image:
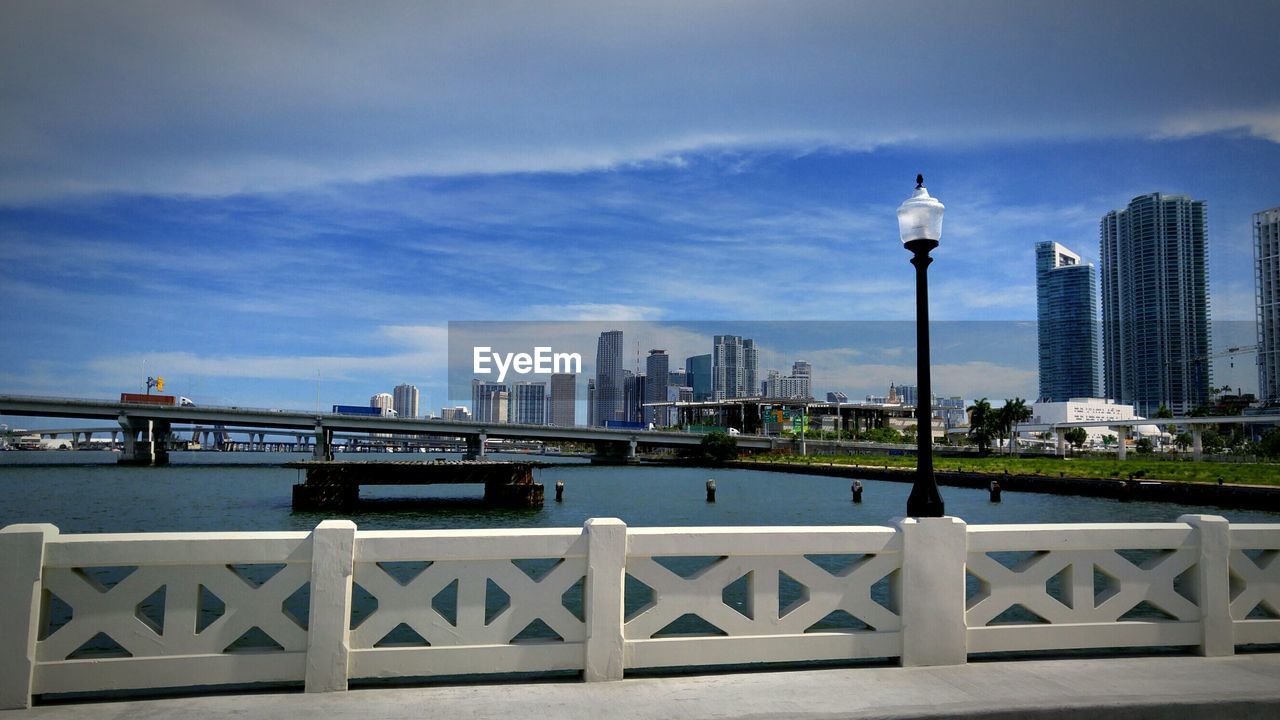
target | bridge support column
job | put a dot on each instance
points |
(1122, 442)
(145, 442)
(475, 446)
(323, 449)
(631, 452)
(1061, 435)
(1197, 442)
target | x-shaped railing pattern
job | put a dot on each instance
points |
(114, 611)
(410, 603)
(1261, 583)
(702, 593)
(1025, 584)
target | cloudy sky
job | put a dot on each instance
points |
(246, 197)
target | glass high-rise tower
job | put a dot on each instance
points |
(1266, 256)
(1155, 303)
(1067, 315)
(608, 387)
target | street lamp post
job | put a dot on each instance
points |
(920, 226)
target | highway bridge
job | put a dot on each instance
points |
(148, 429)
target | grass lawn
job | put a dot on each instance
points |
(1149, 468)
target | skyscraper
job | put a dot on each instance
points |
(489, 401)
(734, 367)
(608, 377)
(1155, 303)
(699, 369)
(1067, 315)
(564, 392)
(528, 403)
(405, 401)
(1266, 256)
(591, 402)
(657, 370)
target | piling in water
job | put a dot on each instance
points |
(711, 490)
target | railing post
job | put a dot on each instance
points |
(931, 591)
(22, 598)
(603, 594)
(328, 626)
(1211, 585)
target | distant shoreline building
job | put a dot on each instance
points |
(405, 401)
(564, 392)
(489, 401)
(1266, 255)
(608, 386)
(734, 367)
(657, 371)
(1155, 303)
(384, 402)
(528, 403)
(1067, 323)
(700, 378)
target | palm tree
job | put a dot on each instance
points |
(980, 424)
(1018, 413)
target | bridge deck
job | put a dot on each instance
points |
(1242, 687)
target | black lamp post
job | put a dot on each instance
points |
(920, 225)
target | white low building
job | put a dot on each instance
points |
(1090, 410)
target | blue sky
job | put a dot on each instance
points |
(245, 197)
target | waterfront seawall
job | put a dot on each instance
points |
(1249, 497)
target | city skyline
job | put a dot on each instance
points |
(259, 221)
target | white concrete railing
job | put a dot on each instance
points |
(180, 609)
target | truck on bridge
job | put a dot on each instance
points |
(144, 399)
(357, 410)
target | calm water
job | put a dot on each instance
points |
(221, 492)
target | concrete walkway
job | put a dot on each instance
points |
(1239, 687)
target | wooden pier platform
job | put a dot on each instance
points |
(335, 484)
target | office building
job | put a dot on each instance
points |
(1067, 315)
(455, 414)
(489, 401)
(591, 402)
(405, 401)
(656, 370)
(564, 394)
(1155, 303)
(634, 391)
(734, 367)
(1266, 257)
(608, 390)
(837, 397)
(906, 394)
(528, 403)
(700, 379)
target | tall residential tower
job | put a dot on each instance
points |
(405, 400)
(1155, 303)
(1067, 314)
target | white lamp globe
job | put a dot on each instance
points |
(920, 216)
